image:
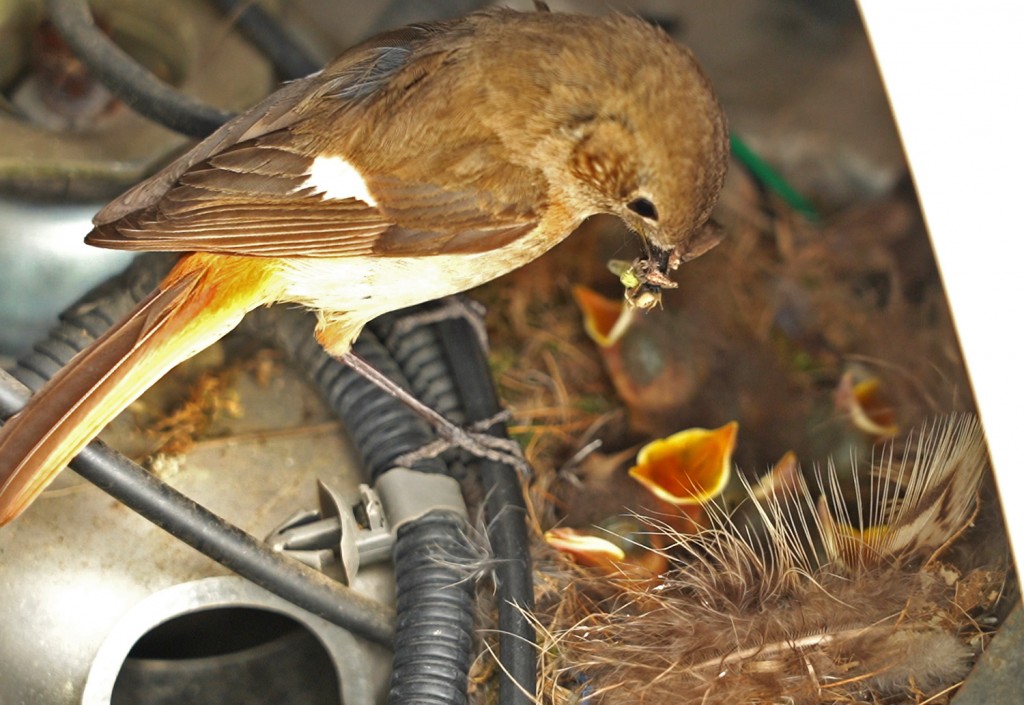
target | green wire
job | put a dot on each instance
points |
(772, 179)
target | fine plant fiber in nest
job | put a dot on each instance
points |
(796, 597)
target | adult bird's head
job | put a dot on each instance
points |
(634, 130)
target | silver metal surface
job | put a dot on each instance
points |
(362, 667)
(82, 578)
(45, 265)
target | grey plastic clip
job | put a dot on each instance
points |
(363, 540)
(364, 532)
(408, 495)
(320, 538)
(307, 537)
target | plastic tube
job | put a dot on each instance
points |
(447, 369)
(433, 556)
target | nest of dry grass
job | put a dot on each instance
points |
(762, 330)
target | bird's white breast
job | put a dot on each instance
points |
(376, 285)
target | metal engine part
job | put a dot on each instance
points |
(92, 592)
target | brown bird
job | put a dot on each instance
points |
(420, 163)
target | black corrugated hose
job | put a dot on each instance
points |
(434, 636)
(447, 369)
(433, 556)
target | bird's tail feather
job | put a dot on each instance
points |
(189, 312)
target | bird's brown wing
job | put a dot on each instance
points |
(249, 199)
(429, 219)
(355, 76)
(246, 189)
(201, 214)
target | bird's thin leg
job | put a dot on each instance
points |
(475, 440)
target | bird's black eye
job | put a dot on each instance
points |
(643, 208)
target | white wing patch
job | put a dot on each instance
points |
(336, 179)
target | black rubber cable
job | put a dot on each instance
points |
(289, 57)
(126, 78)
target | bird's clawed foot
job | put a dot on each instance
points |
(475, 440)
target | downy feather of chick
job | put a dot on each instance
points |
(821, 604)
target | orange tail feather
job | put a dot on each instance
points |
(199, 302)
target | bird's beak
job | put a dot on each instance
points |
(645, 277)
(665, 261)
(656, 277)
(703, 239)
